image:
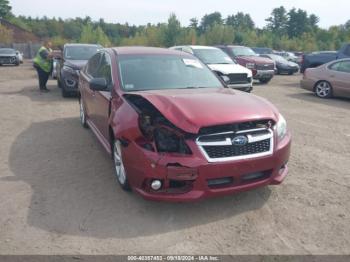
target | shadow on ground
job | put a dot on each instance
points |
(32, 92)
(340, 102)
(74, 191)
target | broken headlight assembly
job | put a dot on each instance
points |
(168, 141)
(158, 132)
(164, 135)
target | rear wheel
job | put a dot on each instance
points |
(265, 80)
(323, 89)
(120, 171)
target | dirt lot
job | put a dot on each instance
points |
(58, 194)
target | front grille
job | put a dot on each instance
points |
(236, 127)
(232, 151)
(265, 67)
(7, 60)
(236, 145)
(238, 79)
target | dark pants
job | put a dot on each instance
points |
(43, 77)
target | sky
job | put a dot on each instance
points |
(141, 12)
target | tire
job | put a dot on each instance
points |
(82, 114)
(290, 73)
(59, 83)
(265, 81)
(64, 92)
(119, 169)
(323, 89)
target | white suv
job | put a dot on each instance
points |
(238, 77)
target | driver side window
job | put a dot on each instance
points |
(105, 70)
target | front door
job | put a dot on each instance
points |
(102, 98)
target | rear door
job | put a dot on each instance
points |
(343, 78)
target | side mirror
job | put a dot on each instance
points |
(98, 84)
(226, 79)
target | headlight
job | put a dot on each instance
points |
(250, 65)
(281, 127)
(167, 141)
(68, 69)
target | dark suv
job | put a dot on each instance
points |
(74, 57)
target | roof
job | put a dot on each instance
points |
(197, 46)
(141, 50)
(81, 44)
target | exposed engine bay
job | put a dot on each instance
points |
(160, 134)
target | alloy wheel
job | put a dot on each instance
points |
(82, 114)
(118, 163)
(323, 89)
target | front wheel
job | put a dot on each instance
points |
(323, 89)
(120, 171)
(82, 114)
(64, 92)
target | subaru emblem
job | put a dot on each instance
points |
(239, 141)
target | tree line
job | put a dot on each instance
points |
(292, 29)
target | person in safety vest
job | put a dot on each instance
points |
(43, 65)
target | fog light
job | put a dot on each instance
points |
(156, 184)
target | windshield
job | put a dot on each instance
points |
(7, 51)
(80, 52)
(243, 51)
(278, 58)
(156, 72)
(212, 56)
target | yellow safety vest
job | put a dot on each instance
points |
(44, 64)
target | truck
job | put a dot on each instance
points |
(263, 69)
(316, 59)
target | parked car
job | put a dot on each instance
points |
(174, 131)
(288, 56)
(283, 66)
(331, 79)
(19, 56)
(316, 59)
(238, 77)
(8, 56)
(263, 68)
(262, 50)
(73, 59)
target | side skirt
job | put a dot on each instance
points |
(105, 143)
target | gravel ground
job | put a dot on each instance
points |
(58, 195)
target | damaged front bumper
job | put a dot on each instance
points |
(190, 178)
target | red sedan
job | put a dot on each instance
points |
(173, 129)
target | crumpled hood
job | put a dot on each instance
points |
(75, 64)
(192, 109)
(254, 59)
(230, 69)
